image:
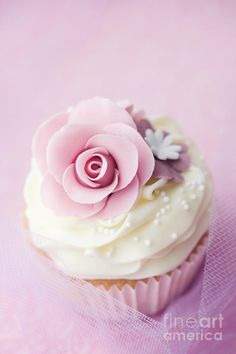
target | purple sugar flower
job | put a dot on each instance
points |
(170, 159)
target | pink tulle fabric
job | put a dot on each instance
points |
(83, 158)
(168, 57)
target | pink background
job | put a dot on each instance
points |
(171, 57)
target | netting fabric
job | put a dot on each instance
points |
(192, 76)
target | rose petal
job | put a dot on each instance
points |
(80, 165)
(164, 170)
(100, 111)
(55, 198)
(81, 194)
(146, 160)
(65, 145)
(123, 151)
(106, 172)
(96, 167)
(42, 137)
(120, 202)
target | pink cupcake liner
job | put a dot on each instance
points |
(149, 297)
(153, 296)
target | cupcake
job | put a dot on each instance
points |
(119, 200)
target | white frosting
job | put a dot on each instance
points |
(153, 238)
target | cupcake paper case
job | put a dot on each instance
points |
(119, 200)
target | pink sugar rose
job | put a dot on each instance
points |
(93, 160)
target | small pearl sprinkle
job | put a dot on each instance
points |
(163, 211)
(163, 194)
(174, 235)
(156, 221)
(167, 206)
(193, 196)
(166, 199)
(128, 224)
(108, 222)
(90, 252)
(184, 204)
(109, 252)
(147, 243)
(201, 187)
(135, 238)
(191, 184)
